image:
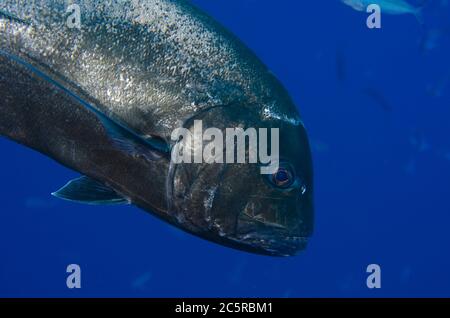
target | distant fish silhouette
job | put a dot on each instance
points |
(419, 142)
(38, 203)
(341, 66)
(378, 98)
(319, 146)
(410, 167)
(439, 88)
(395, 7)
(447, 155)
(433, 38)
(141, 281)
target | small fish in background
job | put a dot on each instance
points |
(39, 203)
(348, 283)
(447, 155)
(439, 88)
(319, 146)
(236, 273)
(287, 294)
(378, 98)
(319, 55)
(432, 39)
(140, 282)
(443, 153)
(406, 274)
(410, 167)
(394, 7)
(341, 66)
(419, 142)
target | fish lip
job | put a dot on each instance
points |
(272, 238)
(283, 246)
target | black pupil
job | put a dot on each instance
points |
(282, 176)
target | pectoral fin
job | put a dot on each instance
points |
(123, 137)
(151, 148)
(89, 191)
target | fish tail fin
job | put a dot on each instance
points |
(419, 16)
(418, 13)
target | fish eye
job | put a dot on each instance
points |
(283, 178)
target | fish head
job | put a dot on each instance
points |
(237, 205)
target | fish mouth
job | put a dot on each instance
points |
(272, 246)
(269, 239)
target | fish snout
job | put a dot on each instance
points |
(275, 226)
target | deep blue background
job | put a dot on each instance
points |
(382, 175)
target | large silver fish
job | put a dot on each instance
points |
(395, 7)
(103, 99)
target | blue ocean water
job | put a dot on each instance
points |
(377, 107)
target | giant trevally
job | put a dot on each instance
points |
(103, 96)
